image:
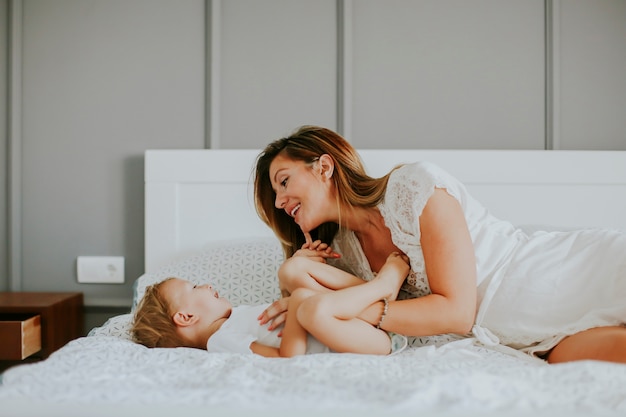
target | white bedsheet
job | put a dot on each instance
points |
(106, 374)
(456, 378)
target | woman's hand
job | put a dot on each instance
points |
(275, 314)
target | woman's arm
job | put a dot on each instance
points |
(451, 270)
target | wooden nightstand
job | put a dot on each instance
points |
(28, 318)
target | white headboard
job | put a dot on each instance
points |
(194, 197)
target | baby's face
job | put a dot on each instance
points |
(200, 300)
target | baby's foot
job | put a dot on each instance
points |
(394, 272)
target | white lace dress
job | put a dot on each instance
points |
(533, 290)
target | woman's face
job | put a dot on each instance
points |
(304, 191)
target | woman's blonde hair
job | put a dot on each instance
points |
(355, 188)
(152, 324)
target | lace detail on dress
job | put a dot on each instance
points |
(408, 191)
(352, 259)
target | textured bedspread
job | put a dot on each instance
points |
(105, 374)
(458, 377)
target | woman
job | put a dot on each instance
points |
(559, 295)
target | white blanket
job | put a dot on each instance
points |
(458, 377)
(106, 374)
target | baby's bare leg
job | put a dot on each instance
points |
(332, 317)
(349, 302)
(393, 273)
(302, 272)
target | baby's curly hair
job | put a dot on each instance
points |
(152, 324)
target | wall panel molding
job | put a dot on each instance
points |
(213, 63)
(15, 146)
(552, 77)
(344, 68)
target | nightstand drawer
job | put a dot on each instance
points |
(20, 335)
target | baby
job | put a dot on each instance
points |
(322, 315)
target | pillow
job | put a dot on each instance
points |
(117, 326)
(244, 271)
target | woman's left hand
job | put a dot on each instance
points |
(275, 314)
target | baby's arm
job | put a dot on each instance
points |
(264, 350)
(294, 337)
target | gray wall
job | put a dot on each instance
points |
(592, 101)
(104, 80)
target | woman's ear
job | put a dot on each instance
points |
(326, 166)
(182, 319)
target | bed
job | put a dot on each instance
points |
(200, 224)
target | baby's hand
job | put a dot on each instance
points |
(317, 255)
(317, 250)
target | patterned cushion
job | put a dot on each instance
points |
(117, 326)
(243, 271)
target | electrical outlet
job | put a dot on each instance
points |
(100, 269)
